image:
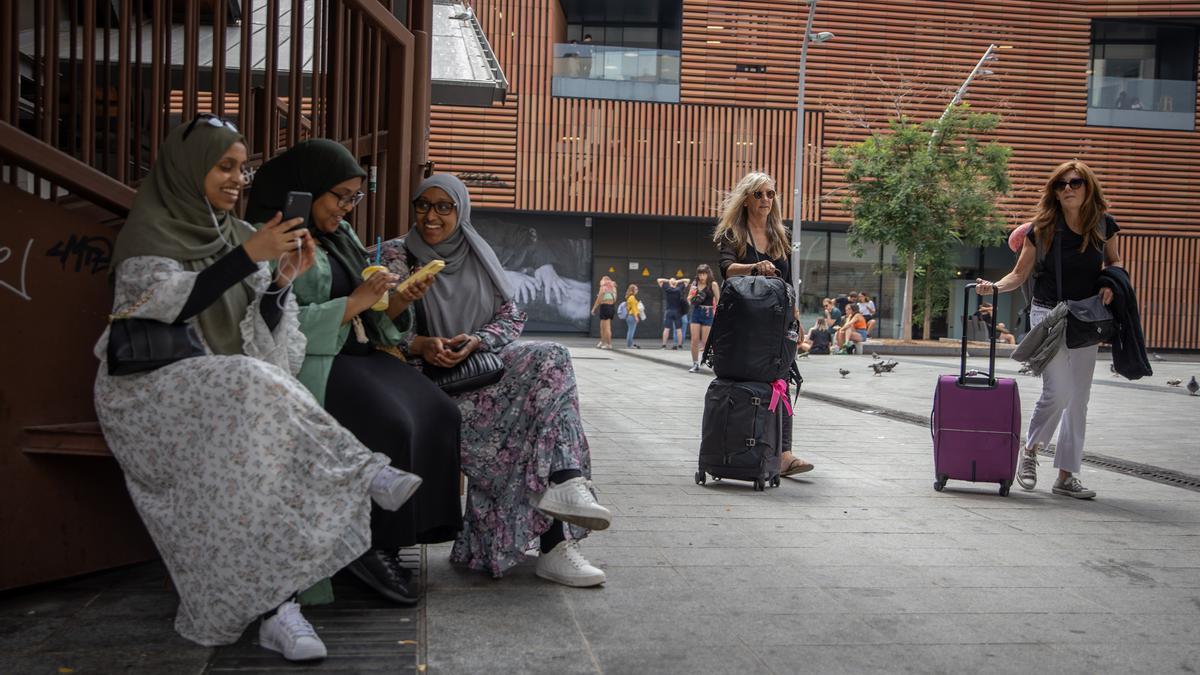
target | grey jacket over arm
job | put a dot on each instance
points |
(1044, 340)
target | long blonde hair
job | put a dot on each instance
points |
(1091, 212)
(733, 226)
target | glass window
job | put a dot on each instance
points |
(814, 275)
(1143, 75)
(848, 272)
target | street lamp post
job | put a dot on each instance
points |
(798, 175)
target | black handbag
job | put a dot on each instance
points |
(1089, 321)
(141, 345)
(479, 370)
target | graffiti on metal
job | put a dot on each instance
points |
(6, 254)
(94, 253)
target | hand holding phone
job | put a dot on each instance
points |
(429, 270)
(297, 205)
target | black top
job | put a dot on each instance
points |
(672, 298)
(219, 277)
(1080, 271)
(729, 256)
(819, 337)
(703, 296)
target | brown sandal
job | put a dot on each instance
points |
(796, 466)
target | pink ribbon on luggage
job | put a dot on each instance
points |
(779, 393)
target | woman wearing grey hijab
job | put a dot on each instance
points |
(250, 490)
(523, 446)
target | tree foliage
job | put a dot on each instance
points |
(926, 188)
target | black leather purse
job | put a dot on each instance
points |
(1089, 321)
(141, 345)
(479, 370)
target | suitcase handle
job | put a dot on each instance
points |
(977, 381)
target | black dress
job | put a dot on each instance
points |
(395, 410)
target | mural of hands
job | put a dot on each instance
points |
(554, 287)
(525, 288)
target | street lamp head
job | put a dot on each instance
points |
(985, 72)
(823, 36)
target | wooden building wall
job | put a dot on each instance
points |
(543, 153)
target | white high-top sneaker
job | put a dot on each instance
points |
(290, 634)
(391, 487)
(571, 501)
(566, 565)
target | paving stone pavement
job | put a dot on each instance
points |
(858, 566)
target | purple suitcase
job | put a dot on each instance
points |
(976, 422)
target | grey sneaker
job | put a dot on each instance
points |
(1027, 471)
(1071, 487)
(695, 367)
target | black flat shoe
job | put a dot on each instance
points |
(385, 577)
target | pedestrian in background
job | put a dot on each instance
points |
(702, 296)
(633, 314)
(672, 290)
(605, 308)
(1072, 209)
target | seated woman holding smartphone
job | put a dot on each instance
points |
(524, 451)
(249, 489)
(350, 364)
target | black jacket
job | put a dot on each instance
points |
(1128, 347)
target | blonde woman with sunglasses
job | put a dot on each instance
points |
(751, 239)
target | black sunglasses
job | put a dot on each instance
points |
(758, 194)
(211, 120)
(1074, 184)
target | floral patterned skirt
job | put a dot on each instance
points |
(250, 490)
(515, 434)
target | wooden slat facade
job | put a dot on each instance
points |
(627, 157)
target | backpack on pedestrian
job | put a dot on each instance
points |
(753, 336)
(622, 311)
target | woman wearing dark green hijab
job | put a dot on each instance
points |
(250, 490)
(389, 405)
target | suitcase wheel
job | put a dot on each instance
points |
(700, 478)
(1004, 488)
(759, 485)
(939, 484)
(775, 481)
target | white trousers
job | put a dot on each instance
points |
(1066, 389)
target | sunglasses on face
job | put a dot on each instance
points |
(1074, 184)
(759, 194)
(442, 208)
(348, 201)
(211, 120)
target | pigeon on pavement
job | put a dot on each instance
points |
(889, 366)
(874, 356)
(877, 367)
(1174, 382)
(1193, 386)
(843, 372)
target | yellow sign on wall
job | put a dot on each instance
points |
(645, 271)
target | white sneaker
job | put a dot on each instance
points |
(290, 634)
(695, 367)
(572, 501)
(391, 487)
(1071, 487)
(566, 565)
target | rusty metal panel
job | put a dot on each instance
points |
(61, 516)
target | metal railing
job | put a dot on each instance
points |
(103, 83)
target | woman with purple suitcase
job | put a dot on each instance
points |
(1072, 208)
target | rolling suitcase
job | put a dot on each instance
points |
(742, 433)
(976, 422)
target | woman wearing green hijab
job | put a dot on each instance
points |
(250, 490)
(389, 405)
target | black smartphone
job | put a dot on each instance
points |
(298, 205)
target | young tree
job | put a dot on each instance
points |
(925, 188)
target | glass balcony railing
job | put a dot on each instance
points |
(1142, 103)
(622, 73)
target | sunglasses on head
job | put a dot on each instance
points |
(443, 208)
(759, 194)
(1074, 184)
(211, 120)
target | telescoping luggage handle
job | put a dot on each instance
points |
(981, 381)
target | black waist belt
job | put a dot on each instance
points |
(1037, 302)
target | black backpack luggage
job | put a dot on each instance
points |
(742, 438)
(753, 337)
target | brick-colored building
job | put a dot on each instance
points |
(616, 150)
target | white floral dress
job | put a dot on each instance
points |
(251, 491)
